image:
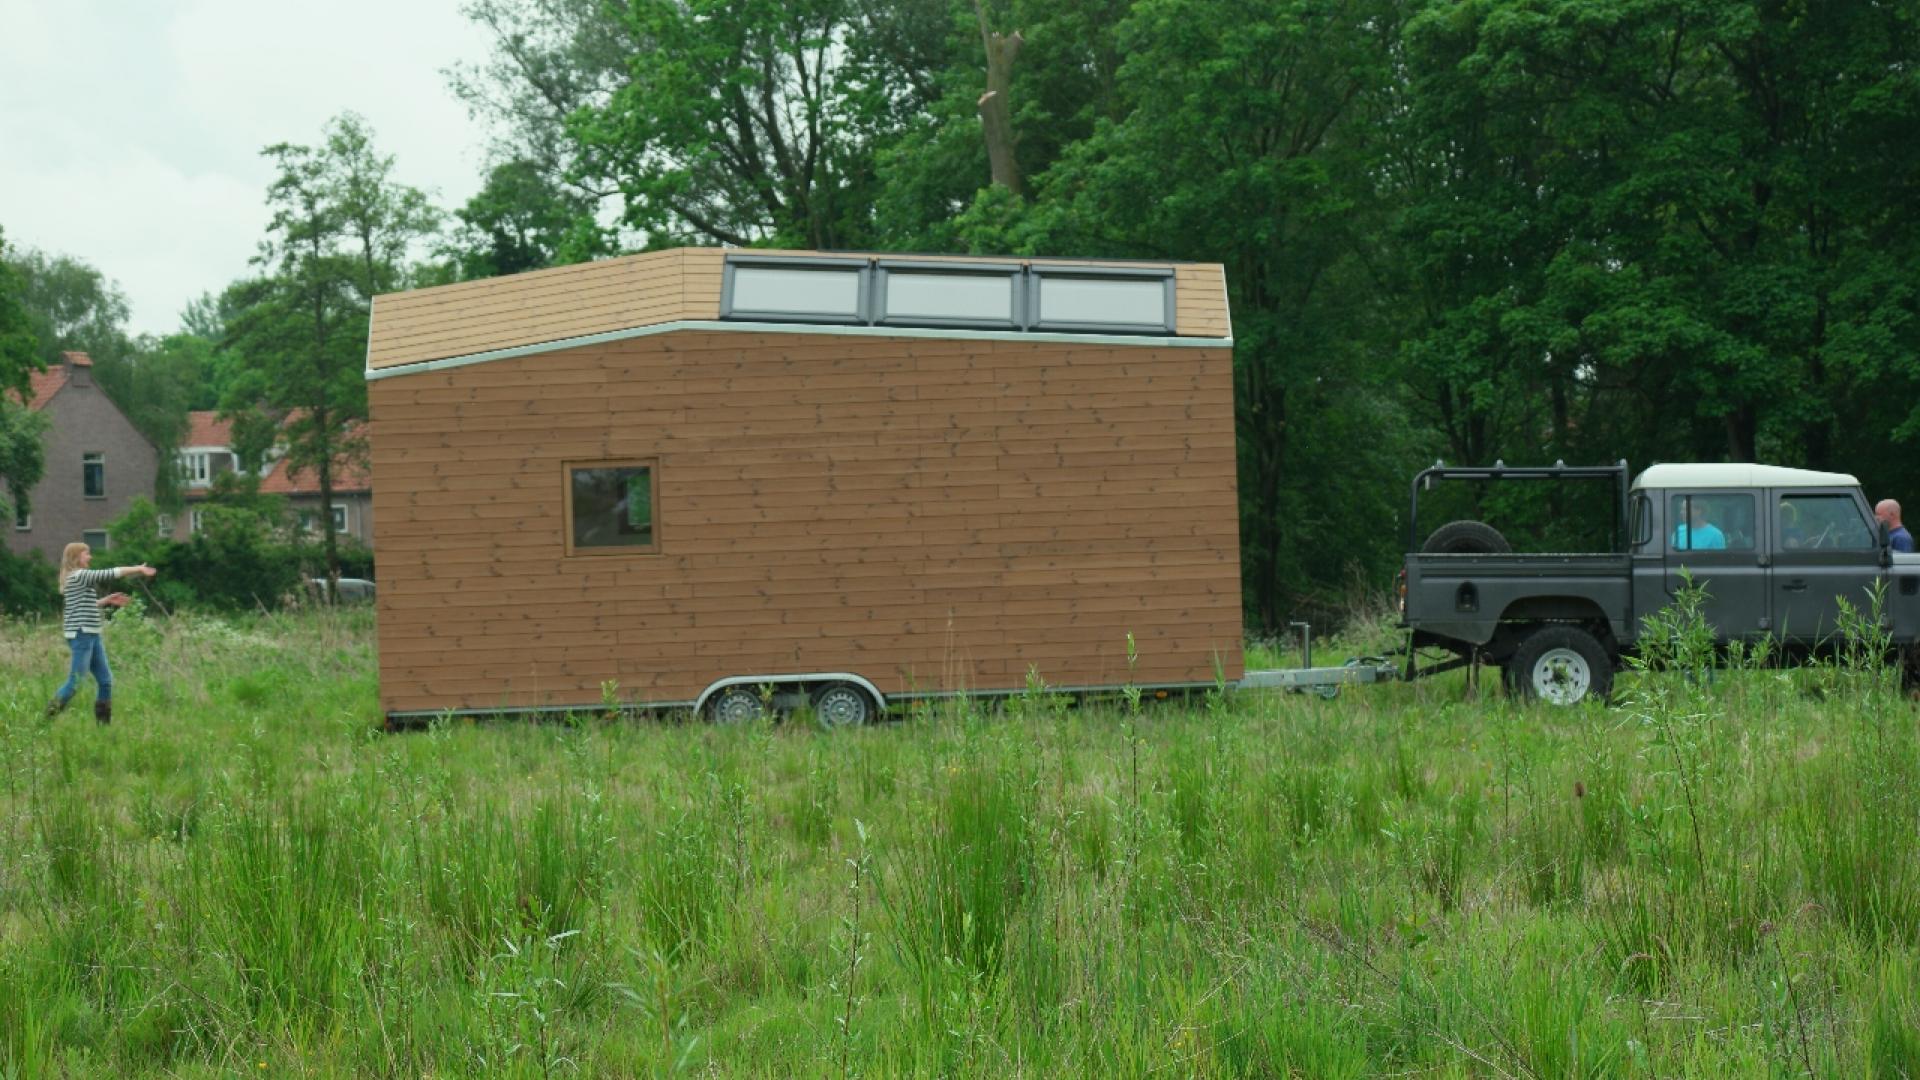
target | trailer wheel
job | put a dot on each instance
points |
(1561, 665)
(1466, 538)
(736, 705)
(842, 704)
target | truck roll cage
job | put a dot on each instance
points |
(1500, 470)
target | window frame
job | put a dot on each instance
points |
(200, 469)
(652, 465)
(863, 297)
(340, 509)
(89, 458)
(106, 539)
(22, 522)
(195, 522)
(1016, 294)
(1038, 274)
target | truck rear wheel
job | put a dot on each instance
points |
(1466, 538)
(1560, 665)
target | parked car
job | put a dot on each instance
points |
(353, 590)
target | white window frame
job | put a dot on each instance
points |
(200, 468)
(194, 522)
(22, 522)
(340, 517)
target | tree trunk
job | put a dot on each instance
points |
(996, 110)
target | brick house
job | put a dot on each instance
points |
(208, 452)
(97, 462)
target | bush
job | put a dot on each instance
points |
(29, 584)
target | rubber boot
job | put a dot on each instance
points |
(103, 711)
(56, 707)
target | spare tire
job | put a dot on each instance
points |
(1466, 538)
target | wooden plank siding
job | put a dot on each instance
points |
(651, 289)
(931, 514)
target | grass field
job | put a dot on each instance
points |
(244, 876)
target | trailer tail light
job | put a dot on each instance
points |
(1400, 591)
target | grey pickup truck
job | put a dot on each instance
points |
(1776, 551)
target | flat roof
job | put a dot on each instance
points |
(1738, 474)
(797, 292)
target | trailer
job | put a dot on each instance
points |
(731, 481)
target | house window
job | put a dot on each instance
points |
(194, 524)
(1110, 301)
(93, 475)
(947, 294)
(795, 290)
(610, 508)
(22, 520)
(339, 517)
(199, 469)
(94, 538)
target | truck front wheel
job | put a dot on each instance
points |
(1560, 665)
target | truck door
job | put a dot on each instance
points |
(1714, 536)
(1825, 550)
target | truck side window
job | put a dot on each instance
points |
(1711, 522)
(1642, 521)
(1824, 522)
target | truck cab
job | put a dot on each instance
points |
(1776, 551)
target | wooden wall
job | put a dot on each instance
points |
(931, 514)
(636, 291)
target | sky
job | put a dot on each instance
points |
(131, 130)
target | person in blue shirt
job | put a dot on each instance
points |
(1888, 511)
(1698, 534)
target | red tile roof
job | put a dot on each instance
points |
(349, 476)
(43, 386)
(207, 429)
(77, 359)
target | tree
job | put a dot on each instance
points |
(19, 340)
(340, 227)
(521, 220)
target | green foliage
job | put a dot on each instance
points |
(242, 870)
(522, 220)
(19, 340)
(28, 585)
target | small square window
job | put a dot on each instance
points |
(339, 517)
(93, 475)
(94, 538)
(22, 520)
(610, 508)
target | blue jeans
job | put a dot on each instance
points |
(89, 654)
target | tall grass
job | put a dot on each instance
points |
(1715, 876)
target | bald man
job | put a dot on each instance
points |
(1888, 511)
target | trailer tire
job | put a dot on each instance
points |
(1466, 538)
(738, 704)
(1561, 665)
(843, 704)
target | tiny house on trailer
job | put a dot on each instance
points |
(698, 478)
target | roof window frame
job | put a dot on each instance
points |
(1037, 273)
(1017, 293)
(862, 315)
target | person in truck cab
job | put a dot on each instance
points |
(1697, 533)
(1888, 511)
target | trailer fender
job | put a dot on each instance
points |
(700, 705)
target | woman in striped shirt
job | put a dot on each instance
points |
(81, 623)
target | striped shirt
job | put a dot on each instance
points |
(83, 604)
